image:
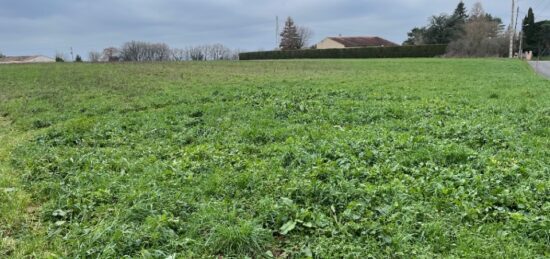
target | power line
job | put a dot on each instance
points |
(517, 18)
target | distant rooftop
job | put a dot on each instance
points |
(26, 59)
(362, 41)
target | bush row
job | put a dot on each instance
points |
(370, 52)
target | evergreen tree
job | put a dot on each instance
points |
(457, 21)
(544, 36)
(461, 14)
(442, 28)
(530, 30)
(78, 58)
(290, 39)
(416, 36)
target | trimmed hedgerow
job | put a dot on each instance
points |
(421, 51)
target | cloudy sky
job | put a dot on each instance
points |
(50, 26)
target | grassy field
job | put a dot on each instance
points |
(289, 159)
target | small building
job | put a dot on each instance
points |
(26, 59)
(354, 42)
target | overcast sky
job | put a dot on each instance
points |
(50, 26)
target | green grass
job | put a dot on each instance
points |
(357, 158)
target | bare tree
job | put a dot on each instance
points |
(205, 49)
(235, 54)
(94, 56)
(482, 36)
(110, 54)
(143, 51)
(477, 11)
(305, 35)
(219, 52)
(160, 51)
(132, 51)
(196, 53)
(179, 55)
(204, 53)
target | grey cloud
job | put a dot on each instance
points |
(44, 27)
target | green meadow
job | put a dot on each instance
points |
(389, 158)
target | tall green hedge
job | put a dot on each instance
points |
(420, 51)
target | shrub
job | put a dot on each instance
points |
(371, 52)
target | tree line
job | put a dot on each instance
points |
(475, 33)
(479, 34)
(140, 51)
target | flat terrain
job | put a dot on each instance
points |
(329, 159)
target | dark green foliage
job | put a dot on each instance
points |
(59, 59)
(78, 58)
(459, 18)
(536, 35)
(38, 124)
(441, 30)
(460, 13)
(444, 29)
(481, 36)
(375, 52)
(2, 55)
(385, 158)
(542, 38)
(290, 39)
(529, 31)
(415, 36)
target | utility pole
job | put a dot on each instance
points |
(517, 19)
(512, 32)
(516, 29)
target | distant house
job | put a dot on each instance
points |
(26, 59)
(354, 42)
